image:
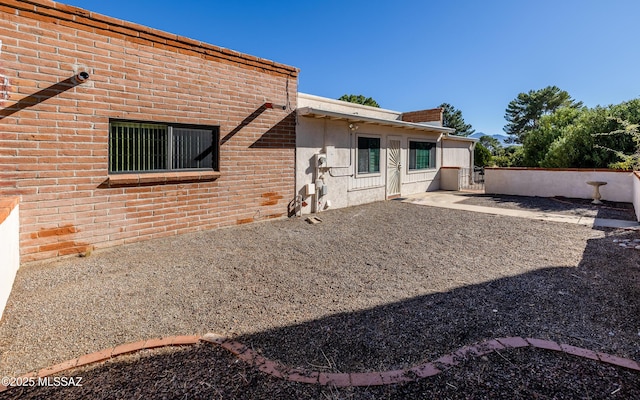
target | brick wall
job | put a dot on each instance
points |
(432, 115)
(54, 129)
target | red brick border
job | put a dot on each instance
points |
(106, 354)
(302, 375)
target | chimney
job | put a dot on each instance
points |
(432, 116)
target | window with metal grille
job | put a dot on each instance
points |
(422, 155)
(368, 155)
(149, 147)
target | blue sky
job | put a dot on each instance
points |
(410, 55)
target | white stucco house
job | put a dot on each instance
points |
(348, 154)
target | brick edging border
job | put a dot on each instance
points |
(410, 374)
(301, 375)
(106, 354)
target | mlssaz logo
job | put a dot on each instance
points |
(60, 381)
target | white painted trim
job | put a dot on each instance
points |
(366, 188)
(395, 114)
(319, 113)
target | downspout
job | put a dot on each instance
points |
(296, 194)
(316, 196)
(318, 175)
(472, 161)
(471, 154)
(298, 198)
(441, 140)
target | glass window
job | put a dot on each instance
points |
(422, 155)
(368, 155)
(147, 147)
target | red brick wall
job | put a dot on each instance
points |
(434, 114)
(54, 131)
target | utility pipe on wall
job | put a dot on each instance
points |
(82, 76)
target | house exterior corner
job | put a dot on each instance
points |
(349, 154)
(112, 132)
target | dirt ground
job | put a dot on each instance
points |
(372, 288)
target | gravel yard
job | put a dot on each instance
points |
(375, 287)
(203, 372)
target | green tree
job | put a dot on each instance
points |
(492, 144)
(512, 156)
(481, 156)
(538, 141)
(359, 99)
(452, 118)
(581, 144)
(524, 112)
(628, 161)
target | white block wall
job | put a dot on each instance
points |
(9, 255)
(636, 194)
(567, 183)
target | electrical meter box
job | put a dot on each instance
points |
(310, 189)
(321, 160)
(332, 155)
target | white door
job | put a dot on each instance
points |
(394, 167)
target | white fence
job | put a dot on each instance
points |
(461, 178)
(9, 248)
(636, 194)
(562, 182)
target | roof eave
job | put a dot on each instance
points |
(318, 113)
(461, 138)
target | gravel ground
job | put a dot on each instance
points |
(375, 287)
(204, 372)
(557, 205)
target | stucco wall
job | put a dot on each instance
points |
(345, 186)
(559, 182)
(55, 130)
(636, 194)
(449, 178)
(456, 153)
(9, 247)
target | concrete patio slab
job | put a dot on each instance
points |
(452, 200)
